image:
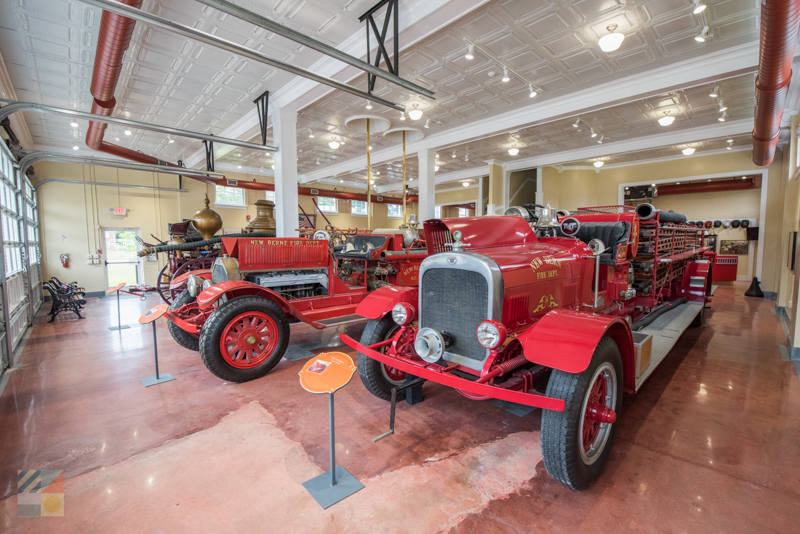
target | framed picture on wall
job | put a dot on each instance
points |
(307, 224)
(792, 249)
(733, 248)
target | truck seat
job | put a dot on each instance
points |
(612, 234)
(360, 245)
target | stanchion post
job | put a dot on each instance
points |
(150, 316)
(333, 439)
(119, 326)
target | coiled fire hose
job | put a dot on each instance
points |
(193, 245)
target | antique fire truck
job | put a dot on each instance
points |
(238, 313)
(560, 313)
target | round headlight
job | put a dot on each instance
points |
(207, 284)
(491, 334)
(402, 314)
(194, 285)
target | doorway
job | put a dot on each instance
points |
(122, 264)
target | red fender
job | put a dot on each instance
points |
(382, 300)
(240, 288)
(566, 339)
(205, 274)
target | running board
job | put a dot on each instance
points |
(661, 335)
(338, 321)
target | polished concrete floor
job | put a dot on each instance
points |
(710, 444)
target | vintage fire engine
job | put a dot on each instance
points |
(238, 313)
(561, 313)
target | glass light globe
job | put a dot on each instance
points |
(513, 151)
(334, 144)
(612, 41)
(688, 151)
(415, 114)
(666, 120)
(598, 163)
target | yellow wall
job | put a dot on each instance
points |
(80, 212)
(575, 188)
(465, 194)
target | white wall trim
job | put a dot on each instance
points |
(762, 214)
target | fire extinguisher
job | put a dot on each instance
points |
(64, 260)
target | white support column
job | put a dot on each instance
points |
(479, 204)
(427, 183)
(539, 191)
(284, 132)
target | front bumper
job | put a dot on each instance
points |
(443, 376)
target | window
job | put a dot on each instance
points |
(269, 195)
(358, 207)
(463, 212)
(437, 212)
(229, 196)
(328, 205)
(394, 211)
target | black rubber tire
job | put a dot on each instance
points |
(561, 437)
(181, 336)
(700, 318)
(212, 331)
(369, 370)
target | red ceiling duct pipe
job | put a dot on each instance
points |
(112, 42)
(779, 23)
(710, 187)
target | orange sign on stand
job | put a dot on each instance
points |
(115, 288)
(153, 313)
(327, 372)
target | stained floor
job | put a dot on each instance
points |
(710, 444)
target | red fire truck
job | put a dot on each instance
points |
(238, 313)
(560, 313)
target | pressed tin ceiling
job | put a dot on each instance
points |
(48, 48)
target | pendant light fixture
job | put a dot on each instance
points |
(576, 123)
(465, 184)
(722, 106)
(699, 7)
(513, 151)
(688, 151)
(310, 134)
(612, 41)
(714, 92)
(506, 76)
(666, 120)
(415, 114)
(532, 92)
(598, 164)
(594, 134)
(723, 117)
(600, 141)
(402, 115)
(73, 124)
(471, 52)
(703, 35)
(427, 124)
(334, 144)
(369, 104)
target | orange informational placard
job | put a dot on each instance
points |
(327, 372)
(115, 288)
(153, 313)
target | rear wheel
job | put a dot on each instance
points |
(244, 339)
(576, 442)
(379, 379)
(181, 336)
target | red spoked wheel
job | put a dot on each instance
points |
(402, 346)
(379, 379)
(248, 340)
(244, 338)
(598, 413)
(576, 442)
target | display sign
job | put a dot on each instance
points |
(327, 372)
(153, 313)
(115, 288)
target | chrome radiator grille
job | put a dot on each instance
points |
(455, 301)
(219, 274)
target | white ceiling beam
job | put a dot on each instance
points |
(728, 63)
(420, 18)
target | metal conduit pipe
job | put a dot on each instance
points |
(86, 182)
(779, 23)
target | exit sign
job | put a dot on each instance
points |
(119, 211)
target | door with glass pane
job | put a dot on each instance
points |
(122, 264)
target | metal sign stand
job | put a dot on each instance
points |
(119, 326)
(150, 317)
(337, 483)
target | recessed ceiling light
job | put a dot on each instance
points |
(76, 147)
(506, 77)
(744, 177)
(708, 180)
(598, 164)
(73, 124)
(471, 52)
(677, 183)
(116, 139)
(714, 92)
(513, 151)
(666, 120)
(612, 41)
(465, 184)
(415, 114)
(341, 181)
(688, 151)
(699, 7)
(127, 132)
